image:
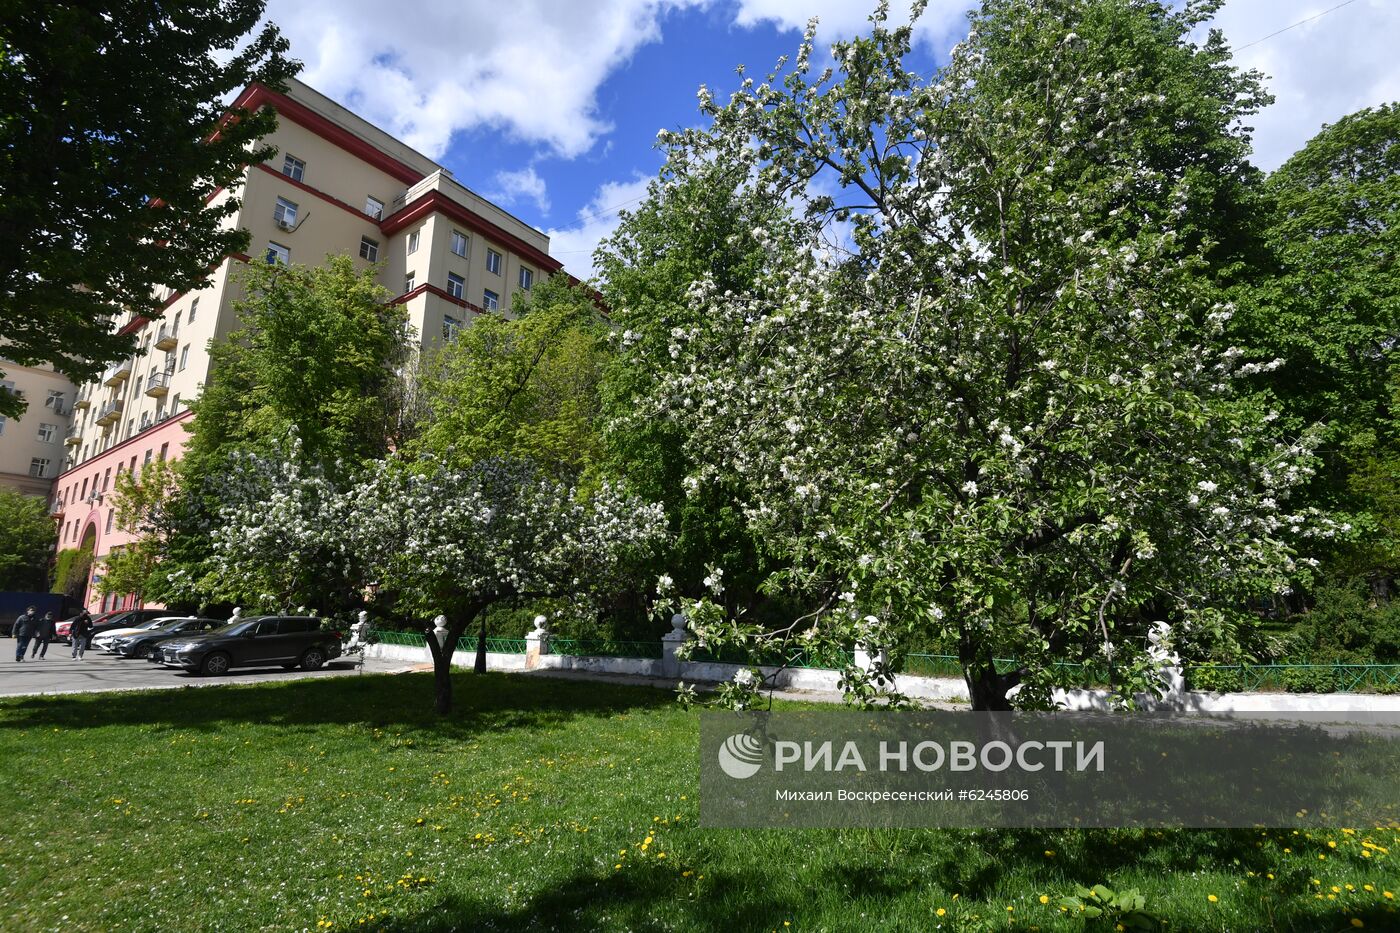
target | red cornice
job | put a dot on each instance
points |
(258, 95)
(427, 289)
(315, 192)
(89, 463)
(437, 202)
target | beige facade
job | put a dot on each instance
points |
(336, 185)
(32, 447)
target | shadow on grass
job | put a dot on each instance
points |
(846, 891)
(482, 703)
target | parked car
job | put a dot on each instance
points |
(140, 644)
(109, 638)
(124, 618)
(261, 641)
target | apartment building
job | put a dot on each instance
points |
(337, 185)
(32, 447)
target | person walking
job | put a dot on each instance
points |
(45, 633)
(25, 627)
(80, 632)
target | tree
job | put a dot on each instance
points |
(27, 538)
(447, 541)
(1331, 310)
(522, 388)
(113, 136)
(696, 223)
(320, 351)
(318, 355)
(1002, 415)
(148, 507)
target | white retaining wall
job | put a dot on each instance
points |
(944, 689)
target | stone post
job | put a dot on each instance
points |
(670, 643)
(536, 643)
(440, 633)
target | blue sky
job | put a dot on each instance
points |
(551, 107)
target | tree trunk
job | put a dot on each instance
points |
(442, 658)
(985, 687)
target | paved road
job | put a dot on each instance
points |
(59, 673)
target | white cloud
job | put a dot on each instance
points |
(1320, 71)
(523, 185)
(944, 22)
(574, 246)
(425, 70)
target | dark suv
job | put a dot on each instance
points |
(261, 641)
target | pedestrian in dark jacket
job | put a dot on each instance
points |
(80, 632)
(25, 627)
(45, 633)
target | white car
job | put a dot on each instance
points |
(108, 639)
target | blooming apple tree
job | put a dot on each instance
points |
(988, 402)
(450, 541)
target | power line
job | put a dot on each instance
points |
(1297, 24)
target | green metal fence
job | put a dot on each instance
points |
(410, 639)
(605, 648)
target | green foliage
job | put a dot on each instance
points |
(521, 388)
(317, 352)
(71, 570)
(107, 155)
(27, 538)
(1346, 625)
(1118, 910)
(1330, 308)
(697, 223)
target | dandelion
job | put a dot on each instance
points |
(1044, 898)
(1212, 898)
(941, 911)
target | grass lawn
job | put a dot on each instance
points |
(544, 804)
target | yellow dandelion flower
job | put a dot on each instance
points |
(1212, 898)
(1044, 898)
(1357, 922)
(941, 911)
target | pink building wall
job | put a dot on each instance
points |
(86, 492)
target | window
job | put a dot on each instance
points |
(175, 405)
(490, 300)
(413, 242)
(164, 449)
(176, 329)
(459, 244)
(147, 461)
(493, 261)
(277, 254)
(284, 214)
(184, 356)
(194, 308)
(110, 516)
(374, 207)
(55, 402)
(450, 327)
(48, 433)
(527, 278)
(39, 466)
(130, 427)
(107, 480)
(293, 168)
(369, 249)
(408, 283)
(456, 285)
(2, 425)
(83, 494)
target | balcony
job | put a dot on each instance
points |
(117, 373)
(110, 412)
(158, 385)
(81, 402)
(73, 437)
(167, 338)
